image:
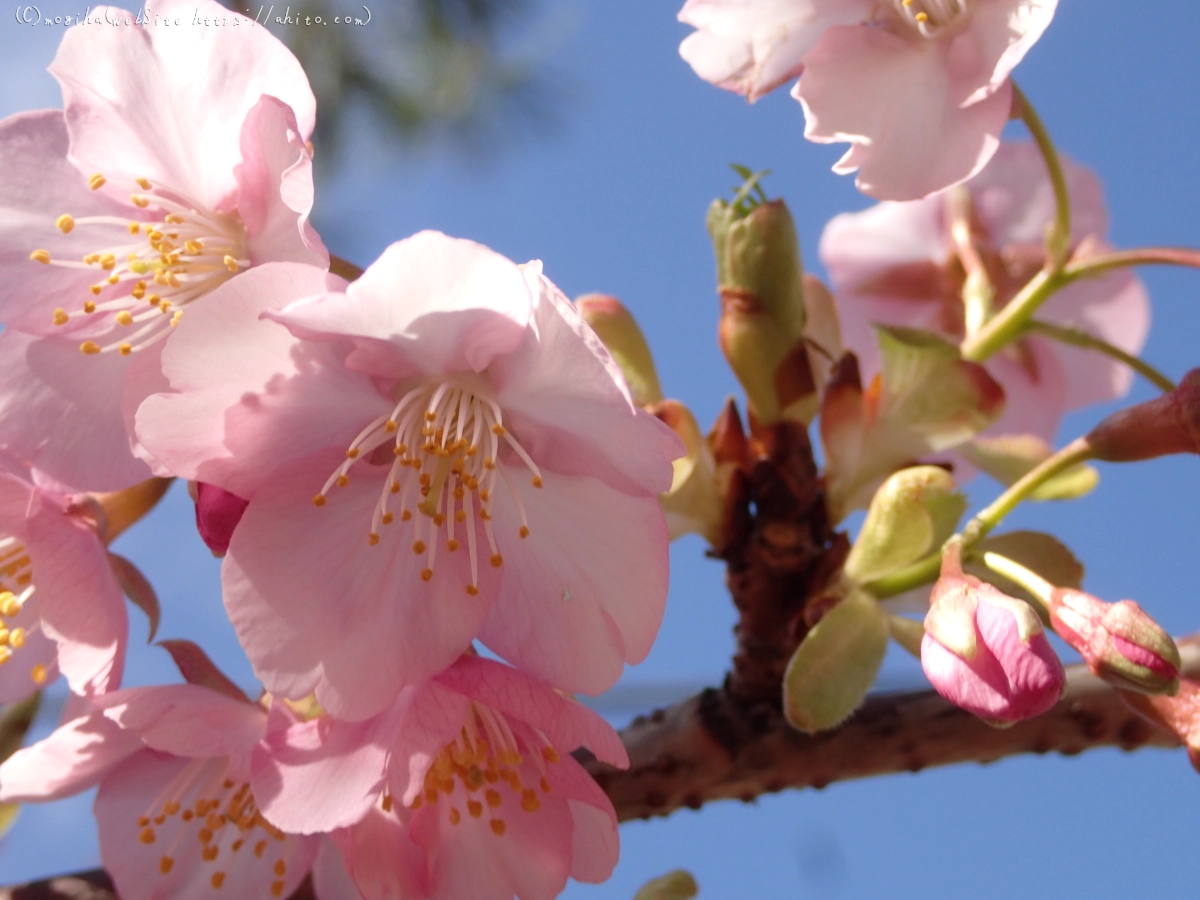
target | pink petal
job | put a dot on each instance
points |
(81, 605)
(275, 188)
(897, 104)
(38, 184)
(596, 843)
(430, 304)
(1035, 382)
(1001, 32)
(16, 678)
(247, 396)
(60, 411)
(567, 724)
(187, 720)
(381, 857)
(72, 759)
(426, 718)
(167, 102)
(586, 424)
(468, 861)
(138, 788)
(318, 608)
(321, 775)
(585, 592)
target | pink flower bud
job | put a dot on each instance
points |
(1119, 641)
(217, 514)
(1158, 427)
(987, 652)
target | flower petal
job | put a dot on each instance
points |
(75, 757)
(585, 592)
(167, 101)
(383, 860)
(187, 720)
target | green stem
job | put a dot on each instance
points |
(1007, 325)
(1039, 588)
(1079, 450)
(1143, 256)
(923, 571)
(1058, 239)
(1078, 338)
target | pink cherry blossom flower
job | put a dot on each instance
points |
(464, 789)
(179, 160)
(987, 652)
(919, 88)
(61, 609)
(899, 264)
(217, 514)
(176, 815)
(443, 452)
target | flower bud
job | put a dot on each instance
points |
(985, 651)
(1158, 427)
(1119, 642)
(693, 505)
(621, 336)
(217, 515)
(760, 278)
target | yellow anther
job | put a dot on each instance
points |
(90, 347)
(107, 262)
(277, 888)
(143, 183)
(430, 415)
(134, 227)
(65, 223)
(138, 267)
(260, 848)
(113, 279)
(124, 317)
(171, 807)
(389, 426)
(173, 280)
(497, 560)
(91, 258)
(472, 591)
(427, 574)
(418, 547)
(90, 307)
(9, 604)
(4, 634)
(387, 518)
(237, 845)
(17, 638)
(498, 827)
(5, 655)
(545, 785)
(218, 879)
(230, 263)
(97, 181)
(319, 500)
(352, 453)
(39, 674)
(395, 487)
(140, 201)
(550, 754)
(452, 544)
(125, 349)
(387, 803)
(154, 300)
(210, 852)
(537, 481)
(165, 865)
(139, 290)
(475, 808)
(192, 246)
(42, 256)
(530, 801)
(176, 318)
(342, 480)
(175, 219)
(372, 538)
(455, 816)
(61, 317)
(205, 834)
(280, 868)
(922, 17)
(460, 515)
(493, 798)
(147, 836)
(405, 515)
(498, 429)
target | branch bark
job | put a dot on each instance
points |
(703, 750)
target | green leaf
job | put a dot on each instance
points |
(912, 513)
(1042, 553)
(1009, 457)
(835, 664)
(677, 885)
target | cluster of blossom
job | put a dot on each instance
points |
(440, 453)
(447, 451)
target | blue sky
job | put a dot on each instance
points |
(614, 201)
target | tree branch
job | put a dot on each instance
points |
(703, 750)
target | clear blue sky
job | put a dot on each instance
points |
(615, 202)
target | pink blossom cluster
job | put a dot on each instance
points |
(438, 454)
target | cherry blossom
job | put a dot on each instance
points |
(463, 789)
(442, 452)
(899, 264)
(178, 161)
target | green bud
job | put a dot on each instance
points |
(912, 514)
(621, 336)
(760, 280)
(835, 664)
(677, 885)
(693, 505)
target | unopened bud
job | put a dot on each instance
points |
(985, 651)
(836, 663)
(760, 278)
(620, 334)
(677, 885)
(693, 505)
(1119, 642)
(217, 515)
(911, 514)
(1159, 427)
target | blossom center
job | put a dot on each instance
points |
(218, 818)
(16, 592)
(445, 441)
(488, 759)
(177, 252)
(933, 18)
